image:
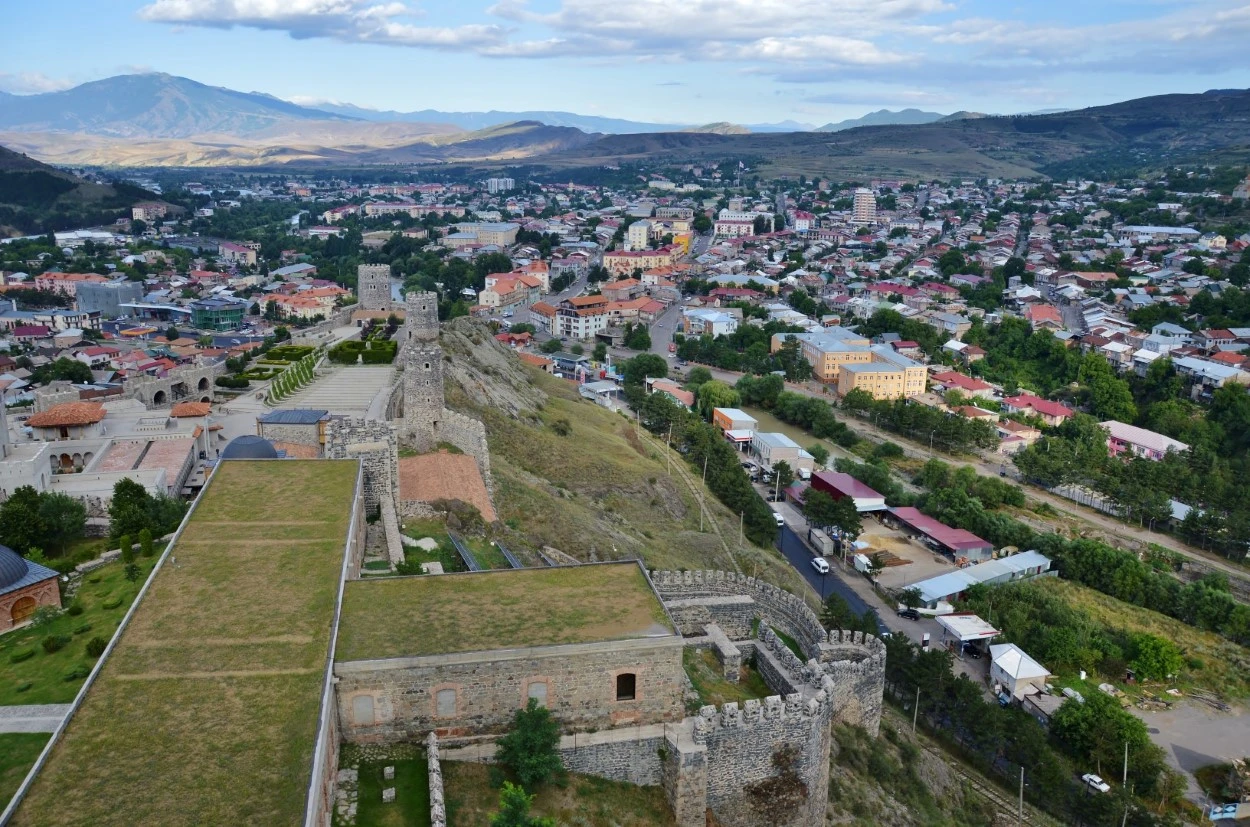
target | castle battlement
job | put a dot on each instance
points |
(759, 713)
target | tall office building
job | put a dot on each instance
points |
(494, 185)
(864, 208)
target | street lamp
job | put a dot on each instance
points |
(931, 435)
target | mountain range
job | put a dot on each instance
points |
(162, 120)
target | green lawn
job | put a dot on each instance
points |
(206, 711)
(18, 751)
(445, 554)
(585, 801)
(410, 616)
(46, 672)
(411, 807)
(706, 674)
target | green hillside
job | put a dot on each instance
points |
(37, 198)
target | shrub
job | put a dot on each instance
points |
(83, 629)
(112, 604)
(78, 672)
(146, 548)
(74, 610)
(21, 655)
(22, 687)
(94, 579)
(96, 647)
(234, 382)
(55, 643)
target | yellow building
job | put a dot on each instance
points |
(888, 376)
(826, 351)
(622, 263)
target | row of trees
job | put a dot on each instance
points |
(1003, 740)
(948, 431)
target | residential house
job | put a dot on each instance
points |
(236, 254)
(1052, 413)
(1017, 673)
(1123, 438)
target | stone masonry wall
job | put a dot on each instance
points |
(488, 687)
(295, 434)
(438, 807)
(633, 760)
(375, 445)
(734, 614)
(775, 605)
(469, 435)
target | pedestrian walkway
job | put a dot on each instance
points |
(343, 390)
(32, 717)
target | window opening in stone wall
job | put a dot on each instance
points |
(446, 702)
(626, 686)
(362, 710)
(538, 691)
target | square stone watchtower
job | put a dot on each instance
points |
(423, 372)
(373, 287)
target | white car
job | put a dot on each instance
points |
(781, 521)
(1095, 783)
(820, 564)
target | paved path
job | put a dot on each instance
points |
(1193, 736)
(32, 717)
(343, 390)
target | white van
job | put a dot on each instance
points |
(781, 521)
(820, 564)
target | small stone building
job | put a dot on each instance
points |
(24, 587)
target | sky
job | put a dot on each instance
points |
(666, 61)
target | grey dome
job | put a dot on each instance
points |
(12, 567)
(249, 446)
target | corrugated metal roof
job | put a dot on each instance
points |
(294, 416)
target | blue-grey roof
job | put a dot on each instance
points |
(249, 446)
(17, 572)
(294, 416)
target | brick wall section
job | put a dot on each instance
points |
(296, 434)
(490, 686)
(438, 807)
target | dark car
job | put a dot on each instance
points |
(910, 614)
(972, 651)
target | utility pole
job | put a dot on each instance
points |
(915, 712)
(1020, 817)
(701, 490)
(741, 533)
(668, 444)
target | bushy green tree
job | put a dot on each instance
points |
(514, 809)
(529, 748)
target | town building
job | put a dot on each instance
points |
(863, 208)
(218, 314)
(889, 375)
(1123, 438)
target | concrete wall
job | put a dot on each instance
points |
(438, 806)
(490, 686)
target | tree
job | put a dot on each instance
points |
(63, 518)
(600, 353)
(1110, 396)
(172, 333)
(819, 453)
(716, 394)
(514, 809)
(529, 748)
(643, 366)
(146, 548)
(550, 346)
(698, 376)
(127, 546)
(761, 225)
(701, 224)
(785, 474)
(911, 598)
(21, 525)
(637, 337)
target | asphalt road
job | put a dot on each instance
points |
(793, 549)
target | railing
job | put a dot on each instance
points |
(470, 561)
(509, 556)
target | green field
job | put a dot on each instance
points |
(585, 801)
(411, 616)
(206, 711)
(411, 807)
(707, 676)
(18, 751)
(41, 678)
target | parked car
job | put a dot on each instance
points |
(1095, 783)
(820, 564)
(972, 651)
(910, 614)
(780, 520)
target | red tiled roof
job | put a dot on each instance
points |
(68, 414)
(190, 409)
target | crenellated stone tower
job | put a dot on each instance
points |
(373, 287)
(422, 357)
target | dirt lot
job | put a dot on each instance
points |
(923, 562)
(1193, 736)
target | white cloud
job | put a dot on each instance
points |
(358, 21)
(31, 83)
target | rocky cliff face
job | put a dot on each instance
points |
(487, 372)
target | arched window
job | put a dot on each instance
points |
(626, 686)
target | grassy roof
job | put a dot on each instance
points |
(206, 711)
(470, 612)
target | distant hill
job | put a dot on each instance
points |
(484, 120)
(719, 128)
(1120, 135)
(884, 117)
(151, 106)
(37, 198)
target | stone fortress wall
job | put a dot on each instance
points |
(709, 761)
(373, 287)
